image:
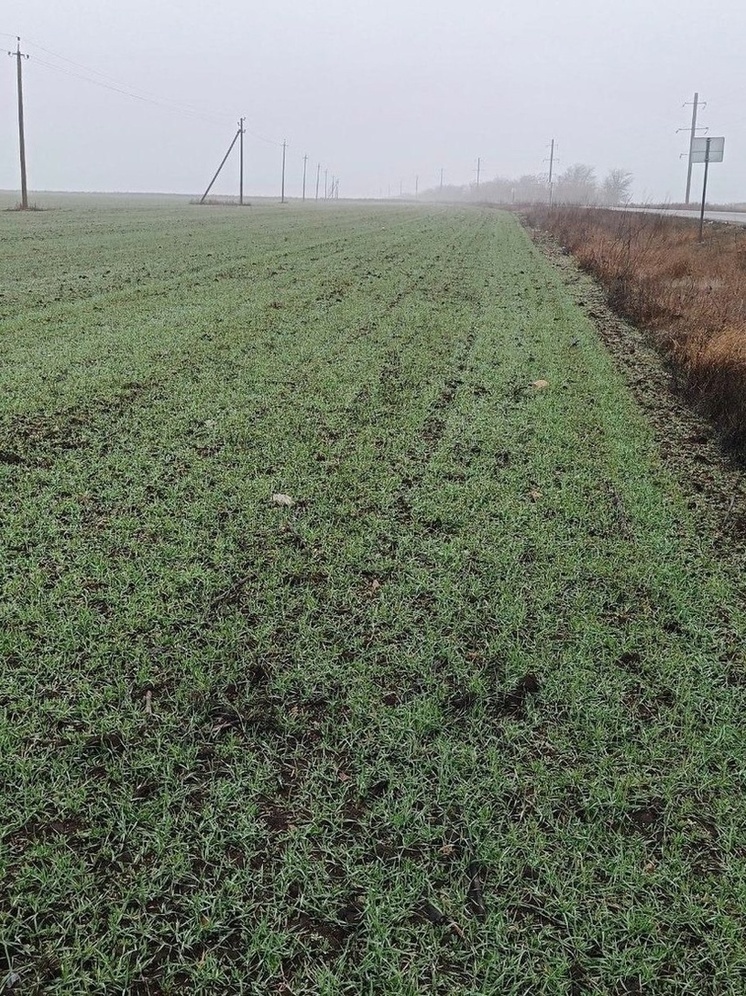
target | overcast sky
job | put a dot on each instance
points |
(378, 91)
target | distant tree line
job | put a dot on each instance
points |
(576, 185)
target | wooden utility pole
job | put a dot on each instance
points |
(318, 179)
(441, 178)
(305, 167)
(326, 184)
(240, 168)
(551, 174)
(21, 132)
(284, 152)
(416, 187)
(479, 170)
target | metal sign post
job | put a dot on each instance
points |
(706, 150)
(704, 190)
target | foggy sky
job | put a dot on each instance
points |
(378, 91)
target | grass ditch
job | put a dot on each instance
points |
(690, 295)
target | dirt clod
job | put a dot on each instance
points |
(512, 703)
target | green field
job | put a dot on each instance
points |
(465, 718)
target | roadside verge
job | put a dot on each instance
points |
(711, 475)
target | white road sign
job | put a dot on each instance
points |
(699, 150)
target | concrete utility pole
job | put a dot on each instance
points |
(305, 167)
(326, 184)
(21, 131)
(284, 151)
(479, 170)
(240, 189)
(692, 135)
(441, 178)
(416, 187)
(551, 174)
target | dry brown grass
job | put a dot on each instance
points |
(692, 296)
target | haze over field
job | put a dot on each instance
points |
(378, 93)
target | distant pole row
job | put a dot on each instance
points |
(442, 176)
(332, 191)
(478, 176)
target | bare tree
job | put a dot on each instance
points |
(577, 185)
(616, 187)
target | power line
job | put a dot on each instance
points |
(144, 97)
(97, 78)
(205, 116)
(133, 90)
(262, 138)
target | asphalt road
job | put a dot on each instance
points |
(731, 217)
